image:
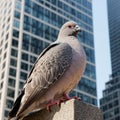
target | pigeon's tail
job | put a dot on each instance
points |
(16, 106)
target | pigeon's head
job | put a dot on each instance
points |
(70, 28)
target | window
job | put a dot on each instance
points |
(21, 85)
(37, 28)
(12, 72)
(32, 59)
(25, 56)
(1, 85)
(18, 5)
(26, 42)
(5, 54)
(15, 33)
(90, 54)
(23, 75)
(14, 52)
(87, 86)
(2, 76)
(8, 19)
(90, 71)
(17, 14)
(6, 113)
(11, 82)
(6, 45)
(36, 45)
(24, 66)
(14, 43)
(13, 62)
(9, 103)
(10, 93)
(16, 23)
(3, 66)
(7, 36)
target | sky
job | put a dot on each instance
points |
(102, 48)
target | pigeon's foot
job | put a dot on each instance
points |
(52, 103)
(66, 97)
(58, 102)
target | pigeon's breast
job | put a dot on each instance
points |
(70, 78)
(75, 72)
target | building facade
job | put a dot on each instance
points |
(114, 34)
(29, 26)
(110, 103)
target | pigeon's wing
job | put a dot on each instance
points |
(46, 71)
(16, 105)
(43, 52)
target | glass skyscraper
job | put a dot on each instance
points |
(114, 34)
(110, 103)
(26, 28)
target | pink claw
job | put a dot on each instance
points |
(58, 102)
(50, 104)
(66, 97)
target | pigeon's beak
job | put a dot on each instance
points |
(77, 28)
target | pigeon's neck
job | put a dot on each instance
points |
(72, 41)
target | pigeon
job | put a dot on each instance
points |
(55, 73)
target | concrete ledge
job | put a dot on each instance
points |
(70, 110)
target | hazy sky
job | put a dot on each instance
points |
(102, 51)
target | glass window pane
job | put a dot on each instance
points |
(10, 93)
(17, 14)
(14, 52)
(11, 82)
(16, 33)
(16, 23)
(12, 72)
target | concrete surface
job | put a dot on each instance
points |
(70, 110)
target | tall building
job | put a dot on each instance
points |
(114, 34)
(26, 28)
(110, 103)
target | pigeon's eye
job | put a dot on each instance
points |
(70, 26)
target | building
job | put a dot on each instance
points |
(114, 34)
(110, 103)
(26, 28)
